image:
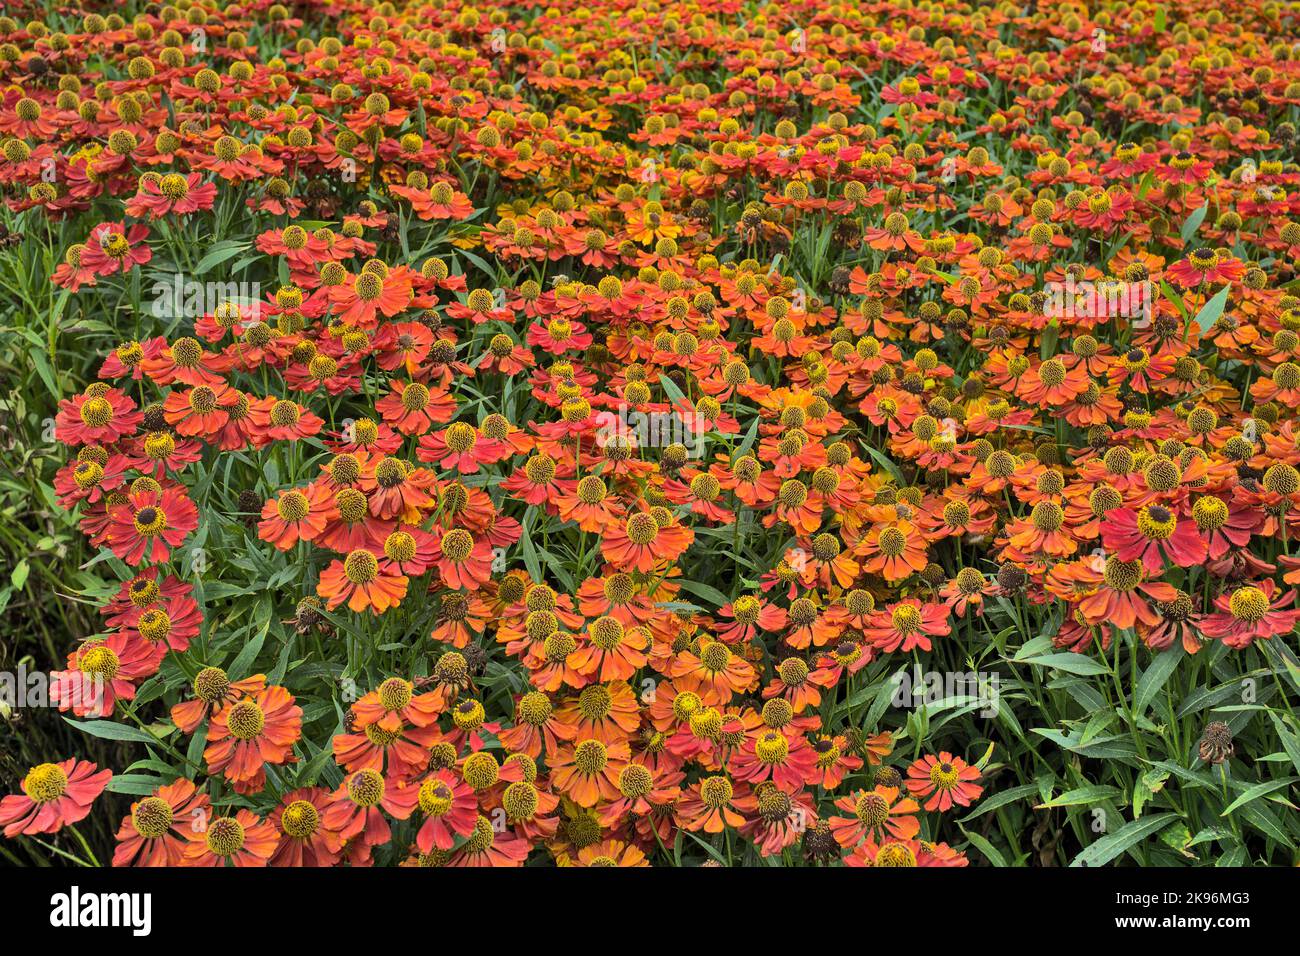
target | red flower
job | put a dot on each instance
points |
(769, 754)
(296, 515)
(459, 447)
(362, 299)
(643, 541)
(908, 624)
(201, 411)
(54, 795)
(173, 621)
(875, 813)
(362, 583)
(283, 420)
(450, 810)
(1204, 265)
(1153, 533)
(150, 523)
(413, 408)
(463, 561)
(304, 841)
(114, 248)
(1250, 612)
(356, 810)
(101, 415)
(945, 779)
(100, 672)
(173, 193)
(1122, 596)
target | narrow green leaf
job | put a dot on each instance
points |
(1130, 834)
(1257, 791)
(111, 730)
(1155, 677)
(984, 846)
(1082, 796)
(1211, 311)
(1070, 663)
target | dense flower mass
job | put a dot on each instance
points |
(662, 432)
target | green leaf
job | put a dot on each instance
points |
(1116, 746)
(674, 393)
(1236, 856)
(1168, 292)
(111, 730)
(1194, 222)
(1097, 723)
(1155, 677)
(218, 254)
(137, 784)
(1211, 311)
(530, 554)
(1070, 663)
(1083, 795)
(1257, 791)
(705, 591)
(748, 443)
(1144, 186)
(1002, 799)
(1262, 818)
(311, 770)
(984, 846)
(1288, 658)
(1290, 742)
(1032, 648)
(707, 848)
(1147, 786)
(240, 666)
(1130, 834)
(884, 463)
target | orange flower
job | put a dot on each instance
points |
(645, 541)
(612, 652)
(587, 771)
(296, 515)
(304, 841)
(463, 561)
(945, 779)
(711, 805)
(360, 581)
(413, 408)
(237, 840)
(895, 551)
(716, 673)
(874, 813)
(258, 730)
(154, 832)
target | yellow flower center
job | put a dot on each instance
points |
(45, 783)
(225, 836)
(152, 817)
(300, 820)
(1248, 604)
(361, 567)
(245, 720)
